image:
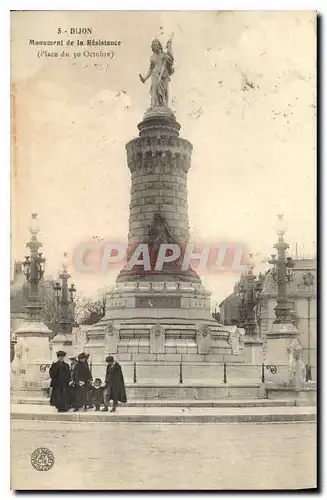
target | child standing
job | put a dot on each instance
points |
(97, 393)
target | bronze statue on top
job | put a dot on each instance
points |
(160, 70)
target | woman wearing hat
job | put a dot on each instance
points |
(60, 376)
(72, 386)
(82, 379)
(89, 385)
(114, 385)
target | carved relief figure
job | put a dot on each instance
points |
(110, 329)
(159, 233)
(157, 329)
(160, 70)
(19, 364)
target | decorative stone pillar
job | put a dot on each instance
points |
(157, 339)
(112, 338)
(283, 331)
(203, 339)
(33, 347)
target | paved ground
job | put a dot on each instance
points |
(165, 456)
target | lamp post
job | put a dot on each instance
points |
(34, 269)
(282, 274)
(32, 335)
(258, 294)
(65, 297)
(249, 290)
(308, 280)
(241, 293)
(216, 315)
(283, 335)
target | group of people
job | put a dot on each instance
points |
(73, 387)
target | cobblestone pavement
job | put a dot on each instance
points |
(165, 456)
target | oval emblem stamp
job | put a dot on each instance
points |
(42, 459)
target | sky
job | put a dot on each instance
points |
(243, 91)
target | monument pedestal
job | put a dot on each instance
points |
(279, 339)
(279, 346)
(253, 350)
(30, 367)
(62, 342)
(158, 321)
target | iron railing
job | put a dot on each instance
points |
(272, 368)
(225, 377)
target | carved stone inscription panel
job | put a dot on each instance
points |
(158, 302)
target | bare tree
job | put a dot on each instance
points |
(94, 310)
(84, 310)
(50, 305)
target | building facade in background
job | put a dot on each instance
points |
(302, 297)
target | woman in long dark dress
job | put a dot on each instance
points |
(82, 379)
(60, 376)
(114, 385)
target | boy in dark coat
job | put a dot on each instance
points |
(97, 394)
(60, 376)
(114, 385)
(82, 379)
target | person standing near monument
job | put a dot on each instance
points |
(82, 379)
(60, 376)
(114, 385)
(72, 387)
(160, 70)
(97, 393)
(89, 385)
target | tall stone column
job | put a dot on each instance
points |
(159, 161)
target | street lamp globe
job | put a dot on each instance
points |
(34, 224)
(72, 292)
(251, 263)
(280, 225)
(65, 261)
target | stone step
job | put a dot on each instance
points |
(168, 415)
(163, 390)
(228, 403)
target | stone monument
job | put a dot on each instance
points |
(160, 314)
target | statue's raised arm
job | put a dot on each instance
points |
(160, 70)
(169, 45)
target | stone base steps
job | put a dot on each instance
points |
(174, 391)
(228, 403)
(160, 394)
(193, 391)
(174, 415)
